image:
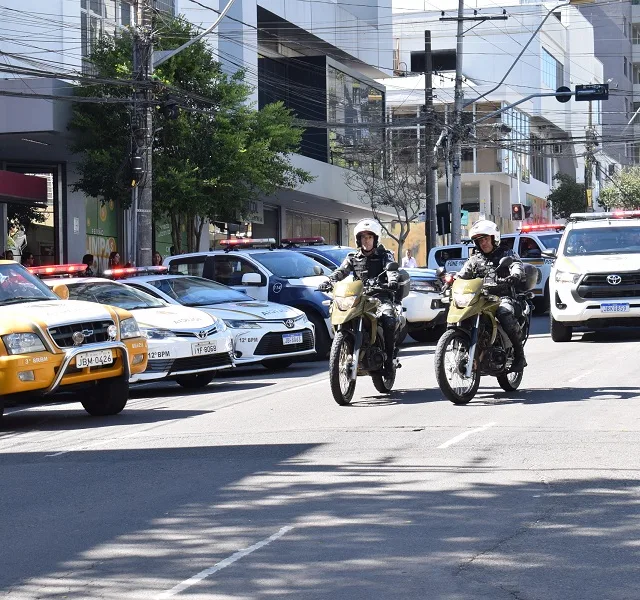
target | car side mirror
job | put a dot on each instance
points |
(392, 266)
(251, 279)
(317, 270)
(61, 290)
(549, 253)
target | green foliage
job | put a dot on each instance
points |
(208, 162)
(567, 197)
(623, 190)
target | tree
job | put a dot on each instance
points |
(567, 197)
(389, 179)
(623, 190)
(217, 154)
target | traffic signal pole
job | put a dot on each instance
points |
(430, 155)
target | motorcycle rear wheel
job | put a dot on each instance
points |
(340, 365)
(510, 382)
(451, 351)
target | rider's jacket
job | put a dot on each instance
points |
(366, 267)
(485, 265)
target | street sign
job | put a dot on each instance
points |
(592, 91)
(464, 218)
(564, 94)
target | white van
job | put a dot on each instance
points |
(528, 242)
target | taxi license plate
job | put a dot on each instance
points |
(94, 359)
(202, 348)
(614, 307)
(291, 338)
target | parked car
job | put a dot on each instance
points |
(424, 310)
(329, 255)
(186, 345)
(265, 273)
(264, 332)
(49, 344)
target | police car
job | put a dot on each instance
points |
(257, 268)
(595, 280)
(329, 255)
(529, 242)
(185, 344)
(264, 332)
(424, 310)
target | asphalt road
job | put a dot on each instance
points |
(262, 487)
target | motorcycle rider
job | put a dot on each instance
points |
(486, 237)
(366, 264)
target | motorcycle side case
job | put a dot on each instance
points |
(531, 280)
(404, 283)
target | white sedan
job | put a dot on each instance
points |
(266, 332)
(185, 344)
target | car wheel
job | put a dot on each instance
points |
(277, 364)
(108, 397)
(323, 341)
(560, 332)
(195, 381)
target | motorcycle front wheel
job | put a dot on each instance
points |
(452, 356)
(340, 368)
(383, 384)
(510, 382)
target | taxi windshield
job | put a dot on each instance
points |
(290, 265)
(195, 291)
(114, 294)
(603, 240)
(18, 285)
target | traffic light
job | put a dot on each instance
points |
(527, 212)
(517, 213)
(443, 218)
(170, 109)
(137, 169)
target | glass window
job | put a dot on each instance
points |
(552, 71)
(442, 256)
(550, 240)
(229, 269)
(507, 243)
(603, 240)
(528, 248)
(290, 265)
(17, 285)
(188, 266)
(114, 294)
(193, 291)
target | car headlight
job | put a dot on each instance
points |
(566, 277)
(423, 286)
(155, 333)
(346, 303)
(463, 300)
(239, 324)
(23, 343)
(302, 319)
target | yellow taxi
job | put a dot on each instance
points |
(49, 344)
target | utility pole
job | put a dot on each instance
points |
(588, 162)
(142, 154)
(458, 133)
(431, 162)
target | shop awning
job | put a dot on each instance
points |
(17, 188)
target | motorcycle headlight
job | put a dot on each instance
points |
(463, 300)
(155, 333)
(129, 328)
(237, 324)
(566, 277)
(23, 343)
(346, 303)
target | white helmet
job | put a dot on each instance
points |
(485, 227)
(370, 225)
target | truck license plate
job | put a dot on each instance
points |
(614, 307)
(291, 338)
(202, 348)
(94, 359)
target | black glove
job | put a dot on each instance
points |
(392, 285)
(511, 279)
(325, 286)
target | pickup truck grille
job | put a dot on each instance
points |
(94, 332)
(596, 286)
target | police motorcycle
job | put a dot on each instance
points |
(474, 343)
(358, 346)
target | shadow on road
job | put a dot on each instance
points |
(491, 396)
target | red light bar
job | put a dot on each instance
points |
(247, 242)
(318, 239)
(59, 269)
(123, 272)
(622, 214)
(542, 227)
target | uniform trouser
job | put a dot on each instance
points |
(388, 322)
(506, 315)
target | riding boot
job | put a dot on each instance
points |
(512, 329)
(389, 345)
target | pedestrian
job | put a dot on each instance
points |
(114, 259)
(89, 260)
(157, 259)
(408, 261)
(8, 255)
(28, 260)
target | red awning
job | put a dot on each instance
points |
(17, 188)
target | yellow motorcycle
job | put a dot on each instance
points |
(358, 346)
(474, 343)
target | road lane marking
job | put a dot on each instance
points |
(581, 376)
(462, 436)
(222, 564)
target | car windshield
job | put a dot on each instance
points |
(550, 240)
(115, 294)
(18, 285)
(337, 255)
(195, 291)
(290, 265)
(603, 240)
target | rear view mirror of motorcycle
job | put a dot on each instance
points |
(440, 271)
(505, 262)
(392, 266)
